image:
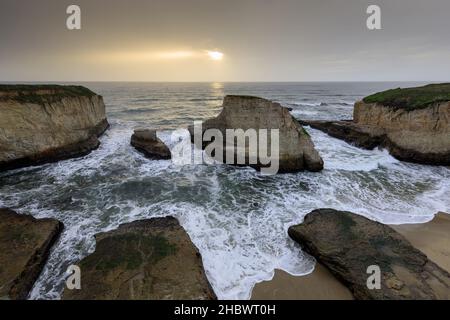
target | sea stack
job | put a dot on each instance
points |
(47, 123)
(412, 123)
(296, 149)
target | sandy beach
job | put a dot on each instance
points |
(432, 238)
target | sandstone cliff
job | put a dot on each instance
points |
(46, 123)
(413, 124)
(296, 149)
(419, 135)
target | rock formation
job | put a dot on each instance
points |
(46, 123)
(144, 260)
(149, 144)
(25, 244)
(296, 149)
(347, 244)
(413, 124)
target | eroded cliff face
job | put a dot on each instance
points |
(424, 131)
(40, 124)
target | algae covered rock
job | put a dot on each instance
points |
(25, 244)
(144, 260)
(349, 245)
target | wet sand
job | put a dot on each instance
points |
(319, 285)
(432, 238)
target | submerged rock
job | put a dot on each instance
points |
(25, 244)
(347, 244)
(144, 260)
(47, 123)
(296, 149)
(412, 123)
(149, 144)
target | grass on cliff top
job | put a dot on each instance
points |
(29, 93)
(412, 98)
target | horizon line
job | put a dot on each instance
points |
(274, 81)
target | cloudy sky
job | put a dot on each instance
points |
(261, 40)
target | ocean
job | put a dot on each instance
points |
(236, 217)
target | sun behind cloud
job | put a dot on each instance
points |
(215, 55)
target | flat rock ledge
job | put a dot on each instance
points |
(296, 149)
(146, 141)
(151, 259)
(347, 244)
(25, 244)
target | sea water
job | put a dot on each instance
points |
(236, 217)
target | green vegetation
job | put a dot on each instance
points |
(412, 98)
(129, 251)
(41, 94)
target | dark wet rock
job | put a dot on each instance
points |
(346, 130)
(149, 144)
(25, 244)
(48, 123)
(144, 260)
(347, 244)
(296, 149)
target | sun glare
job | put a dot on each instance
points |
(215, 55)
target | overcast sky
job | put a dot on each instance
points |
(262, 40)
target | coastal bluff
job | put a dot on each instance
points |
(413, 124)
(47, 123)
(246, 113)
